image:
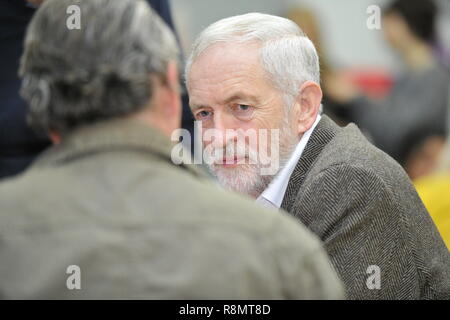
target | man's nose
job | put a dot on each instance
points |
(226, 130)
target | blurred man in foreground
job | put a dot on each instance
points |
(19, 144)
(419, 98)
(107, 201)
(256, 73)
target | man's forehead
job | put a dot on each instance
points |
(223, 71)
(223, 88)
(226, 56)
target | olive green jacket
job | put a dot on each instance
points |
(107, 214)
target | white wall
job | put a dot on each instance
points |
(346, 39)
(192, 16)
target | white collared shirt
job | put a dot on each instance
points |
(274, 194)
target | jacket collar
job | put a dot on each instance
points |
(324, 132)
(117, 134)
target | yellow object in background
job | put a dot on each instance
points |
(435, 194)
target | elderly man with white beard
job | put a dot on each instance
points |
(258, 72)
(105, 213)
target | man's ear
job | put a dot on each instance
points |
(172, 77)
(172, 105)
(164, 109)
(308, 100)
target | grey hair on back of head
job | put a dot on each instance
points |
(73, 77)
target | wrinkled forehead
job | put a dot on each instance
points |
(225, 56)
(224, 67)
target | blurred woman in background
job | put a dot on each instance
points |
(434, 191)
(418, 98)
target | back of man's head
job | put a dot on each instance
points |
(92, 60)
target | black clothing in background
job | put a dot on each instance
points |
(19, 144)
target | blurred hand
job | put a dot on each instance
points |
(36, 2)
(339, 87)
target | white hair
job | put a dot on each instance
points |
(286, 54)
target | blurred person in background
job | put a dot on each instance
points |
(443, 44)
(108, 198)
(19, 144)
(259, 73)
(306, 19)
(421, 151)
(434, 190)
(418, 98)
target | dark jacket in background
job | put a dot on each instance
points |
(362, 205)
(19, 144)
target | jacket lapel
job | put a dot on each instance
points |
(324, 132)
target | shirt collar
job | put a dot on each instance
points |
(274, 193)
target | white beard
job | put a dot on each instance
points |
(246, 178)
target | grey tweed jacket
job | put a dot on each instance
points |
(376, 230)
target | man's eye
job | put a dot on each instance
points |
(242, 111)
(203, 114)
(243, 107)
